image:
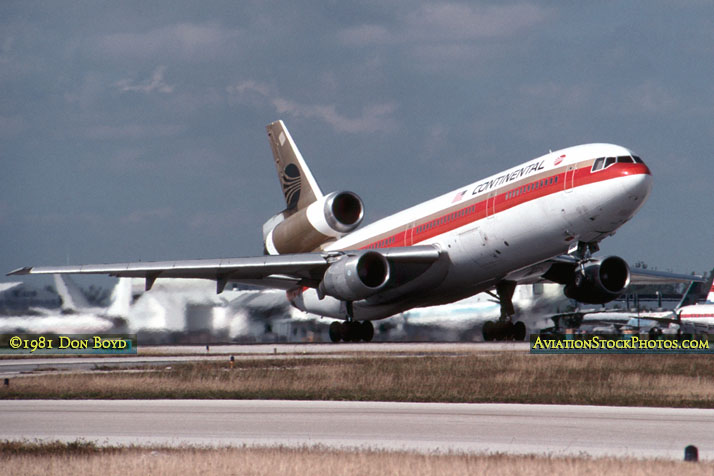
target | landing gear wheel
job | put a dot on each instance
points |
(508, 330)
(336, 331)
(488, 331)
(351, 331)
(366, 331)
(519, 331)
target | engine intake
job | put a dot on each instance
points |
(343, 211)
(330, 217)
(353, 278)
(599, 281)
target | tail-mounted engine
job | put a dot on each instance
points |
(353, 278)
(330, 217)
(598, 281)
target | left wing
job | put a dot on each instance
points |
(278, 271)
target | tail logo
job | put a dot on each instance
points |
(290, 180)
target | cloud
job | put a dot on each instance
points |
(448, 23)
(187, 41)
(156, 83)
(372, 118)
(447, 34)
(132, 131)
(542, 94)
(651, 98)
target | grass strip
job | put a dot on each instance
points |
(32, 458)
(627, 380)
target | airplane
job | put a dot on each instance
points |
(76, 315)
(539, 221)
(684, 313)
(534, 304)
(697, 313)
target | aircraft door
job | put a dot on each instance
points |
(491, 205)
(570, 178)
(409, 235)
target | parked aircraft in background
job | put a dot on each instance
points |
(696, 313)
(686, 313)
(75, 316)
(469, 318)
(8, 286)
(539, 221)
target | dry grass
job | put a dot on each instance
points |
(650, 380)
(83, 458)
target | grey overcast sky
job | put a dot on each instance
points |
(135, 130)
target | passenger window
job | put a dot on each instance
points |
(598, 164)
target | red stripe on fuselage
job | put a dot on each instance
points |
(503, 198)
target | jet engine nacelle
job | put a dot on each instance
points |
(598, 281)
(330, 217)
(356, 277)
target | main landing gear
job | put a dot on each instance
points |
(504, 330)
(351, 331)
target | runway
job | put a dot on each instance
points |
(424, 427)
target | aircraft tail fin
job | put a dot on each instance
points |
(72, 297)
(696, 291)
(299, 186)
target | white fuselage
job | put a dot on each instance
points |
(501, 227)
(698, 313)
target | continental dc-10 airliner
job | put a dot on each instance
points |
(538, 221)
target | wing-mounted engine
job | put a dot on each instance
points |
(598, 281)
(306, 229)
(355, 277)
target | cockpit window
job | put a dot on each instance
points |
(609, 161)
(637, 159)
(625, 159)
(598, 164)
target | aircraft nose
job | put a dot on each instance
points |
(639, 187)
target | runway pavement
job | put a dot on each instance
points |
(509, 428)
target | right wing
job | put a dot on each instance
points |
(276, 271)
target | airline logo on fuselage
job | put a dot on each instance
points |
(509, 177)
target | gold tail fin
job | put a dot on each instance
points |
(299, 186)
